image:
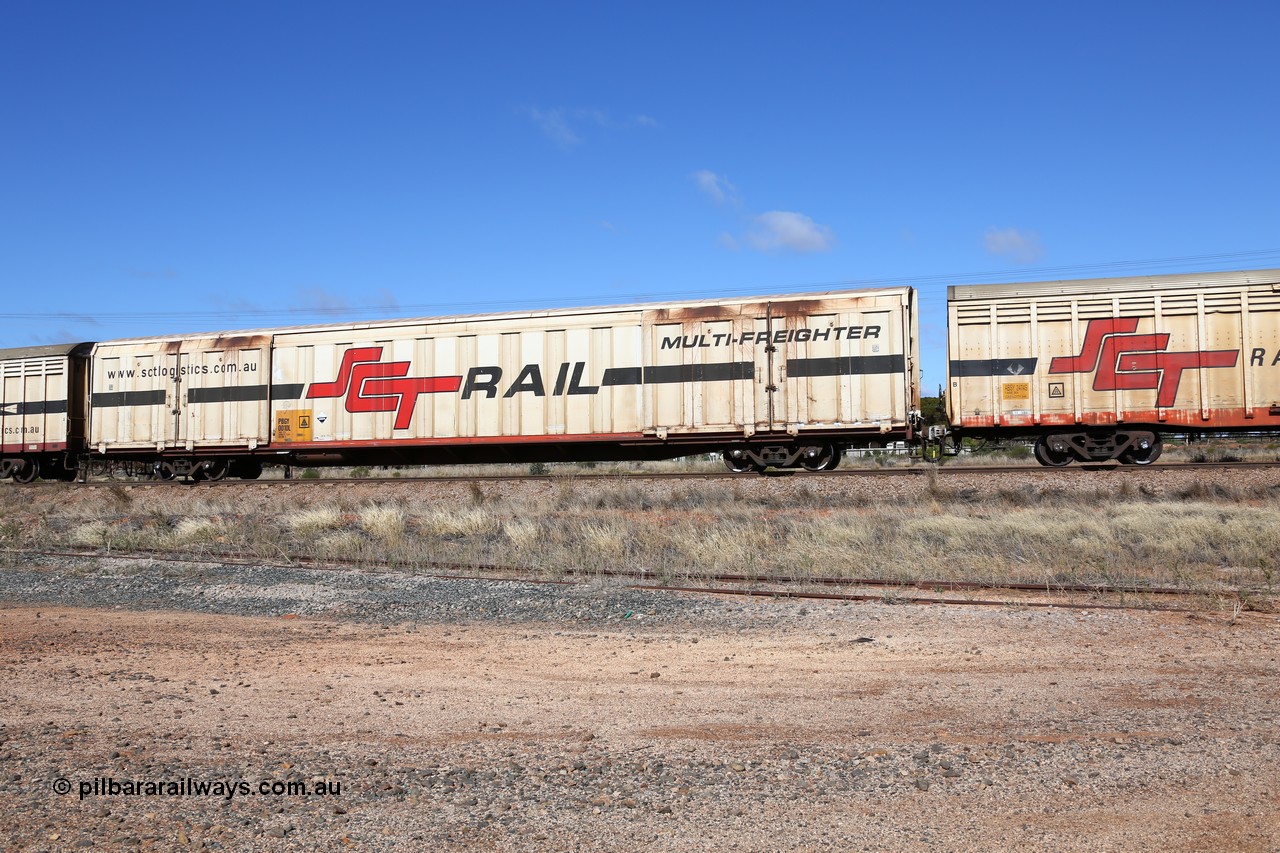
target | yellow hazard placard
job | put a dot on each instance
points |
(1015, 391)
(293, 425)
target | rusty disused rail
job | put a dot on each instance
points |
(728, 584)
(914, 599)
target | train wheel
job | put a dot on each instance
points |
(1139, 455)
(819, 457)
(738, 461)
(1049, 457)
(163, 470)
(6, 468)
(25, 470)
(215, 469)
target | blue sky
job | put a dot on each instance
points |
(170, 168)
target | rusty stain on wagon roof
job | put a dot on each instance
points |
(215, 342)
(783, 305)
(241, 341)
(780, 309)
(699, 313)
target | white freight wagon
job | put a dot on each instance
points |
(41, 410)
(1098, 369)
(785, 381)
(168, 400)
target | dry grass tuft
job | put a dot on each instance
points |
(193, 531)
(383, 522)
(95, 534)
(472, 521)
(341, 546)
(313, 520)
(727, 549)
(605, 541)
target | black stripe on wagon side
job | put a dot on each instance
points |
(227, 394)
(993, 367)
(725, 371)
(849, 365)
(622, 376)
(114, 399)
(668, 374)
(36, 407)
(244, 393)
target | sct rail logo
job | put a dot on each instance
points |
(372, 386)
(369, 385)
(1125, 361)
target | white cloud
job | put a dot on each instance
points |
(555, 125)
(784, 229)
(564, 127)
(715, 186)
(1022, 247)
(773, 231)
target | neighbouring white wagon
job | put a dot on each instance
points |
(42, 411)
(1099, 369)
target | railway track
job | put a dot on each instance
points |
(891, 590)
(924, 470)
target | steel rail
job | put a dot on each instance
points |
(699, 476)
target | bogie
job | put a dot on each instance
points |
(1137, 447)
(810, 457)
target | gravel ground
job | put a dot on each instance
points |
(384, 598)
(496, 715)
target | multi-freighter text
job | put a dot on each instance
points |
(779, 336)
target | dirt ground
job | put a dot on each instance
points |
(855, 727)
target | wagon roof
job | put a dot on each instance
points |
(1076, 287)
(45, 351)
(531, 314)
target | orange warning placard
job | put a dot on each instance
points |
(1016, 391)
(293, 425)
